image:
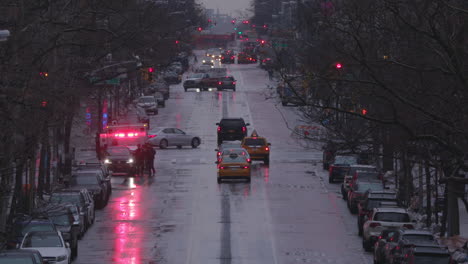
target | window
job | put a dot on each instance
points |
(61, 218)
(391, 217)
(65, 198)
(179, 132)
(118, 151)
(254, 142)
(85, 179)
(38, 227)
(350, 160)
(42, 240)
(168, 131)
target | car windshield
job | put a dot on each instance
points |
(254, 142)
(66, 198)
(364, 186)
(391, 217)
(195, 76)
(60, 218)
(146, 99)
(231, 123)
(37, 227)
(118, 151)
(419, 238)
(85, 179)
(238, 151)
(367, 175)
(18, 259)
(371, 204)
(433, 259)
(353, 170)
(226, 79)
(350, 160)
(42, 240)
(234, 159)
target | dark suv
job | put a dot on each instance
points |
(231, 129)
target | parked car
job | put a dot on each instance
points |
(142, 116)
(120, 160)
(404, 239)
(349, 177)
(82, 198)
(64, 220)
(98, 165)
(148, 103)
(231, 129)
(78, 217)
(340, 166)
(420, 254)
(164, 137)
(21, 256)
(159, 86)
(384, 218)
(94, 182)
(358, 190)
(172, 77)
(160, 99)
(50, 244)
(194, 81)
(371, 200)
(23, 224)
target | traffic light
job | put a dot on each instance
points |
(233, 21)
(44, 104)
(262, 42)
(338, 65)
(177, 42)
(265, 26)
(150, 74)
(364, 111)
(199, 29)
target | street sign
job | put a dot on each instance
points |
(113, 81)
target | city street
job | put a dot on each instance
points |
(288, 214)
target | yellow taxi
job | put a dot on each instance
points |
(233, 166)
(258, 147)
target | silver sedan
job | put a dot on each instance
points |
(170, 136)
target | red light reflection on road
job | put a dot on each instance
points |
(266, 174)
(127, 241)
(178, 120)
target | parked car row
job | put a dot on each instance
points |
(386, 227)
(51, 232)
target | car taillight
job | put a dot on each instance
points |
(244, 129)
(219, 83)
(233, 82)
(246, 167)
(222, 57)
(219, 153)
(267, 148)
(408, 226)
(219, 128)
(397, 248)
(372, 225)
(151, 136)
(248, 160)
(222, 168)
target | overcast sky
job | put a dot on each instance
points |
(230, 7)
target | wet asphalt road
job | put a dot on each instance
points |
(288, 214)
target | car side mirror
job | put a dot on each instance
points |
(217, 124)
(67, 244)
(216, 149)
(269, 144)
(387, 187)
(216, 162)
(247, 124)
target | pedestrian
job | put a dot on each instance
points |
(150, 153)
(139, 160)
(270, 74)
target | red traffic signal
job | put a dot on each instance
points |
(209, 20)
(150, 69)
(364, 111)
(233, 21)
(199, 29)
(338, 65)
(43, 103)
(245, 22)
(177, 42)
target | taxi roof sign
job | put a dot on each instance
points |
(254, 133)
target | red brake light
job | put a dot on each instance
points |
(380, 237)
(152, 136)
(233, 82)
(267, 148)
(374, 225)
(219, 128)
(408, 226)
(397, 248)
(248, 160)
(222, 57)
(246, 167)
(219, 153)
(244, 129)
(219, 83)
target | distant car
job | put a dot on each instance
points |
(338, 169)
(172, 77)
(384, 218)
(239, 151)
(202, 69)
(98, 165)
(94, 182)
(82, 198)
(358, 190)
(231, 129)
(160, 99)
(21, 256)
(371, 200)
(194, 81)
(426, 254)
(120, 160)
(148, 103)
(227, 82)
(233, 166)
(50, 244)
(208, 62)
(349, 177)
(78, 217)
(170, 136)
(159, 86)
(228, 57)
(258, 147)
(227, 145)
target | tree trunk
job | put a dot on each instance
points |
(388, 149)
(453, 218)
(444, 214)
(428, 194)
(66, 144)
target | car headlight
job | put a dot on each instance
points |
(107, 161)
(130, 161)
(62, 258)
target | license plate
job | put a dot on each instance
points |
(232, 131)
(234, 168)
